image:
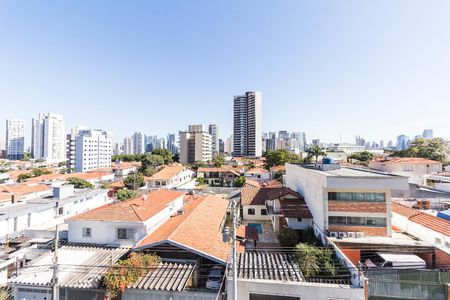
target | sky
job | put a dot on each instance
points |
(334, 69)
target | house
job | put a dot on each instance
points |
(223, 176)
(277, 171)
(123, 169)
(275, 275)
(170, 177)
(23, 191)
(127, 222)
(45, 212)
(80, 272)
(343, 200)
(415, 168)
(257, 173)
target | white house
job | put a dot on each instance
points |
(170, 177)
(257, 173)
(126, 222)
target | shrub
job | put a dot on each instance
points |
(288, 237)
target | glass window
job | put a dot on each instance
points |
(376, 222)
(355, 221)
(251, 211)
(337, 220)
(87, 232)
(380, 197)
(341, 196)
(299, 219)
(370, 196)
(121, 233)
(263, 212)
(359, 197)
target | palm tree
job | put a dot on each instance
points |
(316, 151)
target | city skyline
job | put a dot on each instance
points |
(121, 56)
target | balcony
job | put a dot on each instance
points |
(273, 210)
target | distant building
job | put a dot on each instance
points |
(117, 149)
(402, 142)
(427, 134)
(195, 145)
(15, 139)
(171, 143)
(70, 147)
(316, 142)
(48, 138)
(221, 146)
(138, 140)
(128, 145)
(229, 145)
(271, 142)
(93, 149)
(247, 125)
(213, 130)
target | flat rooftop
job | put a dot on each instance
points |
(397, 239)
(336, 170)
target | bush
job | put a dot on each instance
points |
(315, 260)
(126, 194)
(288, 237)
(239, 181)
(80, 183)
(134, 181)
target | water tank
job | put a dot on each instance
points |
(327, 160)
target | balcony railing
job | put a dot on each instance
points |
(273, 210)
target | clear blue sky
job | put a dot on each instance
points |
(374, 68)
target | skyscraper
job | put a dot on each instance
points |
(70, 147)
(247, 125)
(93, 149)
(213, 130)
(171, 143)
(402, 142)
(15, 139)
(427, 134)
(195, 145)
(48, 138)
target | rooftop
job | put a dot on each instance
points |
(408, 160)
(138, 209)
(257, 192)
(167, 172)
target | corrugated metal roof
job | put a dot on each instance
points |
(79, 267)
(269, 266)
(168, 276)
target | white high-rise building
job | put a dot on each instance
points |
(93, 150)
(213, 130)
(15, 139)
(195, 145)
(48, 138)
(70, 147)
(128, 145)
(138, 143)
(229, 145)
(247, 125)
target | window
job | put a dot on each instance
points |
(60, 210)
(437, 240)
(251, 211)
(29, 220)
(125, 234)
(357, 197)
(337, 220)
(86, 232)
(299, 219)
(263, 212)
(376, 222)
(357, 221)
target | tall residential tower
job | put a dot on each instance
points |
(247, 125)
(15, 139)
(48, 138)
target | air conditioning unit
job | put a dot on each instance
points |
(359, 234)
(343, 234)
(334, 234)
(351, 234)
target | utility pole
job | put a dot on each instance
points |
(234, 251)
(55, 295)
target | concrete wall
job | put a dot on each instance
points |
(131, 294)
(294, 224)
(257, 216)
(302, 290)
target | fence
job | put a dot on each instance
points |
(408, 284)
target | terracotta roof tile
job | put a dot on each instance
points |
(295, 208)
(167, 172)
(133, 210)
(257, 171)
(256, 193)
(247, 232)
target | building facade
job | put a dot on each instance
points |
(15, 139)
(48, 138)
(93, 150)
(213, 130)
(247, 125)
(195, 145)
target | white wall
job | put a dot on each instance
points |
(257, 216)
(294, 224)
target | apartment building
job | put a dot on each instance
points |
(71, 139)
(344, 200)
(48, 138)
(247, 130)
(195, 145)
(213, 130)
(93, 150)
(15, 139)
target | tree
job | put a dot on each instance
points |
(315, 260)
(39, 172)
(134, 181)
(363, 157)
(127, 271)
(150, 162)
(239, 181)
(288, 237)
(316, 151)
(198, 164)
(218, 161)
(124, 194)
(280, 157)
(5, 293)
(24, 176)
(200, 180)
(26, 156)
(80, 183)
(434, 149)
(165, 154)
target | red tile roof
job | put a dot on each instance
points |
(167, 172)
(279, 168)
(257, 171)
(198, 228)
(257, 192)
(295, 208)
(247, 232)
(133, 210)
(424, 219)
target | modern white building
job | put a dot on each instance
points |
(70, 147)
(93, 149)
(15, 138)
(247, 130)
(138, 143)
(48, 138)
(195, 145)
(213, 130)
(344, 200)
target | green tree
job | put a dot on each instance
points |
(124, 194)
(239, 181)
(134, 181)
(315, 260)
(434, 149)
(218, 161)
(165, 154)
(280, 157)
(288, 237)
(39, 172)
(80, 183)
(316, 151)
(24, 176)
(363, 157)
(150, 162)
(26, 156)
(198, 164)
(200, 180)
